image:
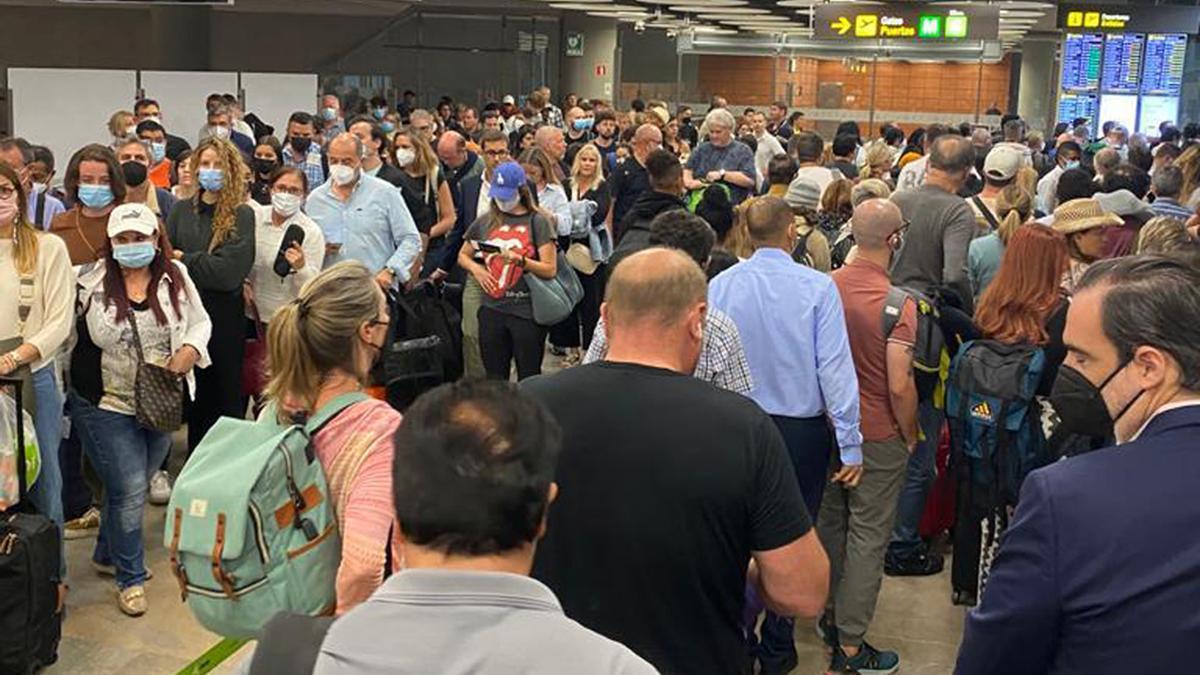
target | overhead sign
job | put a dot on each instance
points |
(908, 21)
(1124, 18)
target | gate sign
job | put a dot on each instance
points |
(908, 21)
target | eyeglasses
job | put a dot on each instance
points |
(296, 192)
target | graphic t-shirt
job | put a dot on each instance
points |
(118, 367)
(523, 234)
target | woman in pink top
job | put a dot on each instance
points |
(321, 346)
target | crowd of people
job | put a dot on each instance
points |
(742, 434)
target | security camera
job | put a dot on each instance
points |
(639, 27)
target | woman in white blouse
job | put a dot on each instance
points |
(266, 290)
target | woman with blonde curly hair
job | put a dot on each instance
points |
(213, 236)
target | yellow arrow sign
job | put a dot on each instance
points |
(842, 25)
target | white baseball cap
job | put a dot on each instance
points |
(508, 98)
(1003, 162)
(132, 218)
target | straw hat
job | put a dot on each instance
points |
(1078, 215)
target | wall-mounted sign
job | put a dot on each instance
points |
(574, 44)
(1125, 18)
(908, 21)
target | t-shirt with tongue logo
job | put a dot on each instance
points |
(523, 234)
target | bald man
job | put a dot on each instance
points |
(856, 523)
(794, 333)
(364, 218)
(629, 179)
(672, 574)
(459, 161)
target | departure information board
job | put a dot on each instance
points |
(1122, 62)
(1163, 73)
(1081, 62)
(1074, 106)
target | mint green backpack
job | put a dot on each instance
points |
(251, 526)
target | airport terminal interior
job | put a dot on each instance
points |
(1046, 128)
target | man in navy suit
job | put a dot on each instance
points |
(1100, 570)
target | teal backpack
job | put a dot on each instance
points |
(251, 527)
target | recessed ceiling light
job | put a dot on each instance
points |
(591, 6)
(704, 9)
(707, 3)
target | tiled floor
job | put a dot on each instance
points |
(915, 618)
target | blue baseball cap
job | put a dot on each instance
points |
(506, 181)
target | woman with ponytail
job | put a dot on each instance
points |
(321, 346)
(213, 236)
(37, 303)
(426, 193)
(1014, 207)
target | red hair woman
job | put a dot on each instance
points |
(1025, 304)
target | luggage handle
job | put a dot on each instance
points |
(17, 386)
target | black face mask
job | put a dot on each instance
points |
(686, 121)
(263, 167)
(1080, 404)
(301, 144)
(135, 173)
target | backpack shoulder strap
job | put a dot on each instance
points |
(39, 216)
(893, 307)
(290, 643)
(331, 410)
(801, 249)
(987, 213)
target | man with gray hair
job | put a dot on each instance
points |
(1104, 162)
(721, 159)
(1167, 185)
(1098, 567)
(932, 258)
(704, 486)
(855, 524)
(364, 218)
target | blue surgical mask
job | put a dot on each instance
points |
(211, 180)
(583, 124)
(158, 151)
(134, 256)
(95, 196)
(388, 127)
(379, 113)
(328, 114)
(1071, 165)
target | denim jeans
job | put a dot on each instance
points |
(918, 479)
(125, 455)
(46, 493)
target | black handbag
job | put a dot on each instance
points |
(30, 550)
(157, 392)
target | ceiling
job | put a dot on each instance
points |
(775, 17)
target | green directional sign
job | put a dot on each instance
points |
(929, 26)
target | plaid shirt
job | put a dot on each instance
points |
(553, 116)
(722, 359)
(311, 164)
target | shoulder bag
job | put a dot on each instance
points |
(157, 392)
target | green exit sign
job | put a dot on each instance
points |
(956, 26)
(929, 26)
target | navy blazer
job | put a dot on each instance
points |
(1100, 570)
(466, 204)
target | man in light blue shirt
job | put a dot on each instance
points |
(794, 332)
(364, 218)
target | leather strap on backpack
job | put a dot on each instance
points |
(176, 567)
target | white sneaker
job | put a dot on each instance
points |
(160, 488)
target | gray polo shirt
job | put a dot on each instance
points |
(458, 622)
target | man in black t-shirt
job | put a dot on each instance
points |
(669, 487)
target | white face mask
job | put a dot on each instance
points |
(285, 204)
(39, 188)
(130, 131)
(219, 132)
(508, 206)
(342, 174)
(405, 156)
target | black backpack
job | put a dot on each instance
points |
(931, 358)
(424, 344)
(30, 555)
